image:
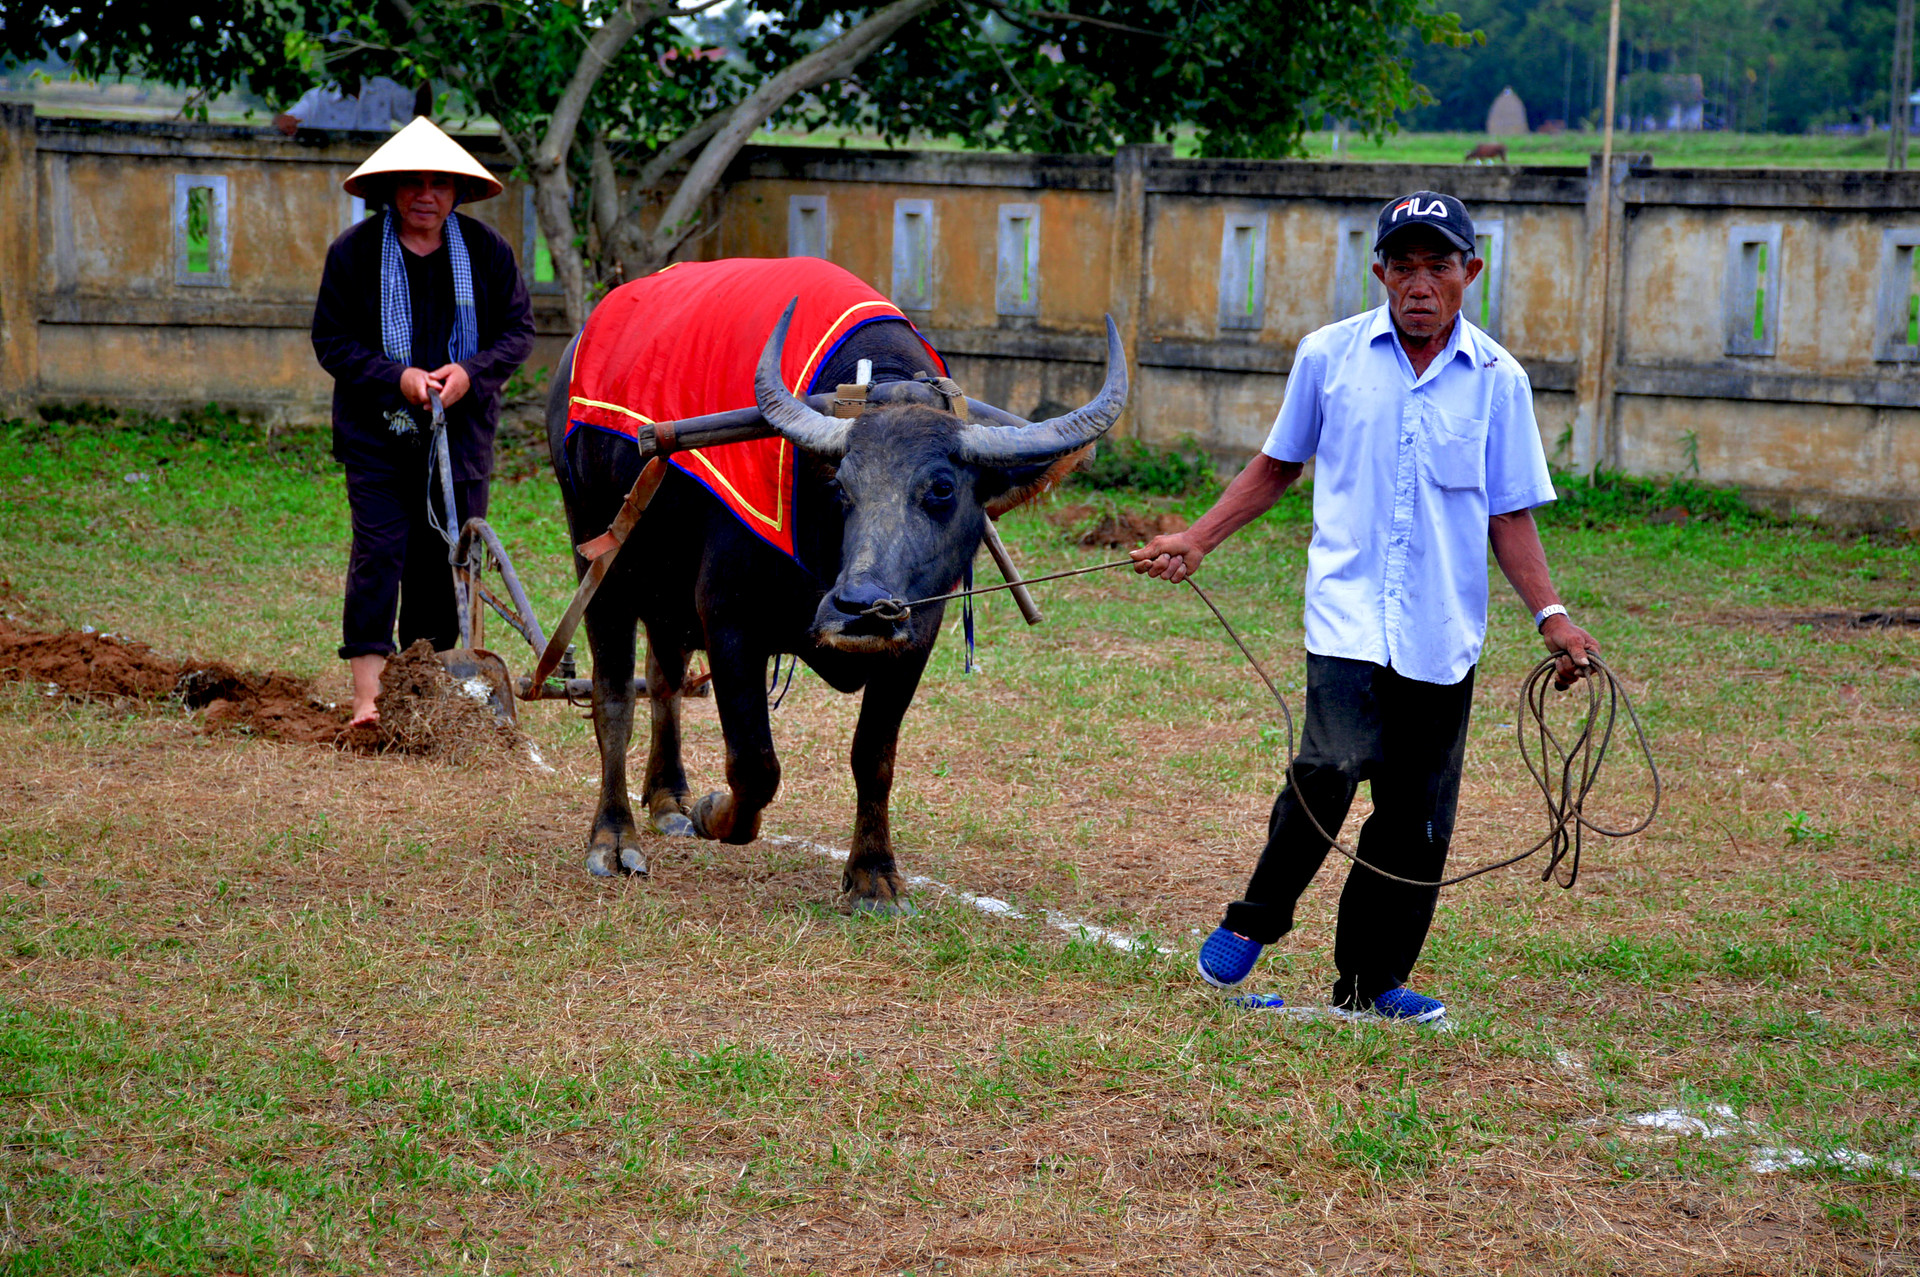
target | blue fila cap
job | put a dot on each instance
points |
(1427, 208)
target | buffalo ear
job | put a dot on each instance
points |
(1027, 482)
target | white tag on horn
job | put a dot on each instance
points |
(863, 373)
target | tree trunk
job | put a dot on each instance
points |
(553, 210)
(831, 61)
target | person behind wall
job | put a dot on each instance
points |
(417, 300)
(373, 107)
(1422, 433)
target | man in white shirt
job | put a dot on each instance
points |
(1425, 451)
(374, 108)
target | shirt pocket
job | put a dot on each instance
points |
(1455, 455)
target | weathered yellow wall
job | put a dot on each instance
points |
(114, 323)
(1073, 257)
(19, 259)
(1822, 424)
(1828, 277)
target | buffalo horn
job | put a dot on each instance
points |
(1055, 437)
(790, 415)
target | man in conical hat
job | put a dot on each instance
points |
(416, 300)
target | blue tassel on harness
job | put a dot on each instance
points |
(793, 663)
(966, 617)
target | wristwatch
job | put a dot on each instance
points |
(1551, 609)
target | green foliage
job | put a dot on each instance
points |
(1248, 78)
(1393, 1137)
(1130, 465)
(206, 46)
(1609, 498)
(1780, 65)
(1800, 829)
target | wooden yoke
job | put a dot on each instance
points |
(601, 552)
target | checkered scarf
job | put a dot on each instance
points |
(396, 306)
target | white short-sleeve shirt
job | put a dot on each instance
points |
(1407, 470)
(379, 102)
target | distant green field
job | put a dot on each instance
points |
(1669, 150)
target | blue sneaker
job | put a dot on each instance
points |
(1225, 959)
(1401, 1004)
(1258, 1001)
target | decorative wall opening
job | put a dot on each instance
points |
(1243, 270)
(1753, 289)
(200, 244)
(807, 226)
(536, 259)
(913, 242)
(1898, 335)
(1354, 289)
(1016, 284)
(1483, 297)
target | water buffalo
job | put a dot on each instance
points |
(888, 507)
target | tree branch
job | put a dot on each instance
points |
(662, 161)
(594, 61)
(478, 93)
(829, 62)
(1001, 7)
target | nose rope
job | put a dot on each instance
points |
(1563, 771)
(889, 609)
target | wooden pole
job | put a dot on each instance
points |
(1900, 88)
(1613, 76)
(1602, 422)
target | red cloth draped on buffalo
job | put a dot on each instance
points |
(684, 342)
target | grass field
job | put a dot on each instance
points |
(1669, 150)
(267, 1007)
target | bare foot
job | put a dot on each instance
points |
(366, 687)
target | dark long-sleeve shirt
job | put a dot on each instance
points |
(366, 383)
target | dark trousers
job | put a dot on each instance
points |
(399, 563)
(1365, 722)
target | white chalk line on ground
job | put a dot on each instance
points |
(1126, 943)
(1717, 1121)
(993, 905)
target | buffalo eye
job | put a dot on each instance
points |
(838, 494)
(939, 494)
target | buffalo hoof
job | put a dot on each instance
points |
(716, 817)
(700, 816)
(604, 861)
(899, 907)
(674, 824)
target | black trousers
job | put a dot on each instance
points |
(399, 563)
(1365, 722)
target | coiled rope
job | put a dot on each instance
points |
(1565, 772)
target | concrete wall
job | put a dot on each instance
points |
(1622, 294)
(108, 318)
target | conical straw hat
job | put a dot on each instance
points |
(421, 147)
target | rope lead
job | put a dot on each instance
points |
(1564, 772)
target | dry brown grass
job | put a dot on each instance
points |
(279, 1007)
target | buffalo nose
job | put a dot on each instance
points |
(865, 598)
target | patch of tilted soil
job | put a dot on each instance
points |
(106, 667)
(423, 711)
(1121, 530)
(1827, 621)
